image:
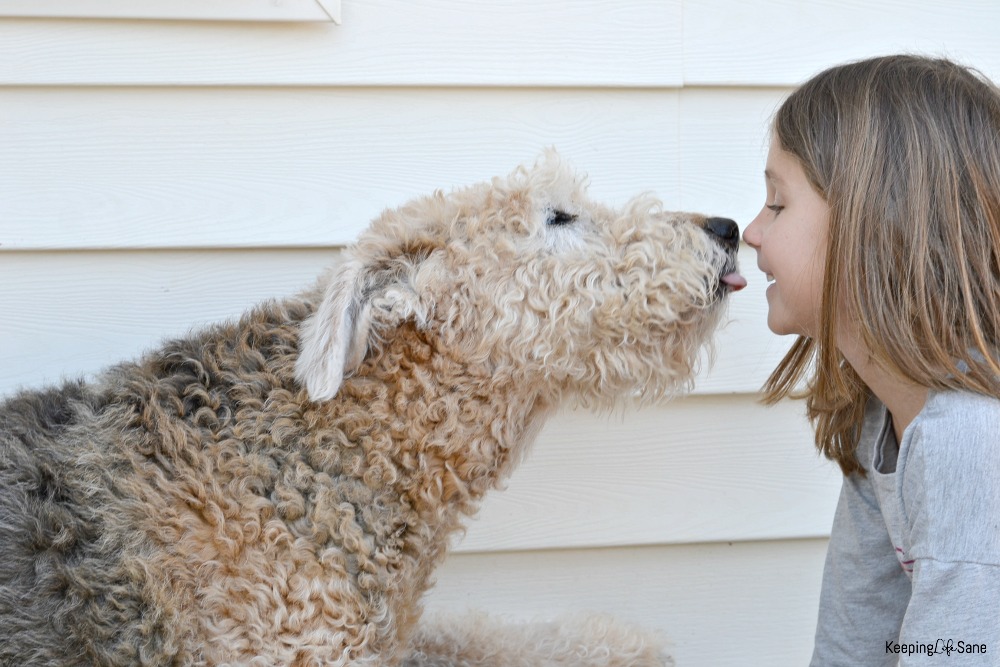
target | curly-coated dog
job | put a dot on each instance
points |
(278, 490)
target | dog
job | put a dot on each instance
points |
(278, 490)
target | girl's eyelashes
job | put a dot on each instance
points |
(774, 207)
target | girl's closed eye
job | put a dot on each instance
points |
(774, 207)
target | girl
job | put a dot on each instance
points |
(880, 238)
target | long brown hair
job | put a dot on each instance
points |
(906, 152)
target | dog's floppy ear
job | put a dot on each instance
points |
(359, 303)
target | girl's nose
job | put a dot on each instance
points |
(751, 234)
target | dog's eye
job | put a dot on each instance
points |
(560, 218)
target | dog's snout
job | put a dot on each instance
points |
(724, 230)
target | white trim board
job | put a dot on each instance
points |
(194, 10)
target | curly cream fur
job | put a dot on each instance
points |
(278, 490)
(477, 640)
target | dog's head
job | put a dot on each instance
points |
(526, 276)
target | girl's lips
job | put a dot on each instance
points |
(735, 281)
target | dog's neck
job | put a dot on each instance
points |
(452, 433)
(460, 429)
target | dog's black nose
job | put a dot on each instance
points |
(725, 230)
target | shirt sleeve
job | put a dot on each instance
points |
(865, 592)
(951, 491)
(953, 615)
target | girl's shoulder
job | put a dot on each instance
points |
(958, 430)
(950, 414)
(950, 486)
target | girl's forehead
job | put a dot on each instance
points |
(781, 166)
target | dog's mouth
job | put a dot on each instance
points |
(726, 235)
(732, 281)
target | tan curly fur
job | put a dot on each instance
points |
(278, 490)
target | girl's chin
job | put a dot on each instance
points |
(780, 326)
(784, 329)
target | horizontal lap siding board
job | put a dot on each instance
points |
(703, 468)
(141, 168)
(386, 43)
(71, 313)
(191, 168)
(716, 604)
(645, 43)
(784, 42)
(723, 136)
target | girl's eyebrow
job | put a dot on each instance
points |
(770, 175)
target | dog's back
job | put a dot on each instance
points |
(91, 479)
(62, 586)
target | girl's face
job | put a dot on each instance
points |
(790, 237)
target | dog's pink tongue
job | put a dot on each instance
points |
(735, 281)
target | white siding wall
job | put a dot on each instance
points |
(159, 175)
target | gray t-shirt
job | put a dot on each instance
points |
(912, 573)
